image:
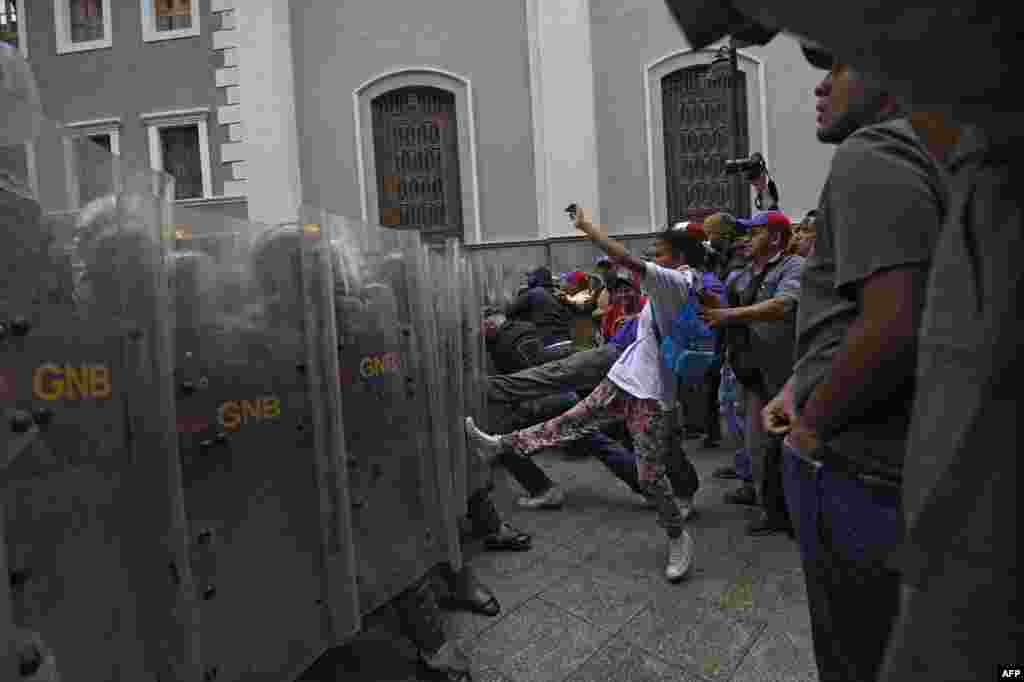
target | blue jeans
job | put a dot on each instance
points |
(744, 467)
(847, 527)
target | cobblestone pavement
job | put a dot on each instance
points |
(589, 602)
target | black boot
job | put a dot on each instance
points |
(482, 514)
(463, 590)
(483, 521)
(423, 623)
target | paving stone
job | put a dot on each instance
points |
(373, 656)
(599, 597)
(757, 595)
(538, 642)
(769, 552)
(635, 553)
(622, 661)
(779, 655)
(695, 635)
(513, 587)
(554, 525)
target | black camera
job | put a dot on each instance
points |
(571, 210)
(752, 168)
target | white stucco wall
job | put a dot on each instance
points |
(561, 105)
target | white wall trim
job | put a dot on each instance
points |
(653, 117)
(150, 34)
(226, 40)
(157, 121)
(540, 163)
(225, 200)
(176, 116)
(564, 111)
(109, 122)
(462, 88)
(19, 7)
(78, 130)
(62, 26)
(32, 168)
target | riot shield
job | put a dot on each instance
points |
(388, 377)
(444, 405)
(449, 282)
(90, 489)
(474, 352)
(266, 508)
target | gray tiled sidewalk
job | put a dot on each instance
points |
(589, 601)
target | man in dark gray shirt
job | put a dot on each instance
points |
(862, 295)
(961, 619)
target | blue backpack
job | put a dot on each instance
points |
(689, 348)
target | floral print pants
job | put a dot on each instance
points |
(651, 425)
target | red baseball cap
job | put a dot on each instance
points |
(775, 220)
(577, 278)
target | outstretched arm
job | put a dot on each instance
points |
(617, 250)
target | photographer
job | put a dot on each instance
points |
(760, 328)
(755, 171)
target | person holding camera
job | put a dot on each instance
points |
(759, 329)
(755, 171)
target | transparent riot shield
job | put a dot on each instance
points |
(442, 406)
(387, 363)
(253, 321)
(94, 534)
(474, 372)
(451, 315)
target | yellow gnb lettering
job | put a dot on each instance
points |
(48, 382)
(100, 383)
(251, 408)
(271, 408)
(233, 414)
(76, 382)
(229, 415)
(53, 382)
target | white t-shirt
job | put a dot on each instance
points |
(639, 371)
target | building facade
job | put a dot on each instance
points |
(481, 120)
(485, 120)
(142, 79)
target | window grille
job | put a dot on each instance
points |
(698, 126)
(415, 137)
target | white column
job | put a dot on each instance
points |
(267, 84)
(564, 115)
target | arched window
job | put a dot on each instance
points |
(698, 126)
(416, 155)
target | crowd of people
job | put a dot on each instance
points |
(826, 335)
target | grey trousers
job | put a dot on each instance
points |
(579, 372)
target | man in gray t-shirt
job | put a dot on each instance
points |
(862, 296)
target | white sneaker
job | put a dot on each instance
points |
(680, 557)
(487, 447)
(553, 498)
